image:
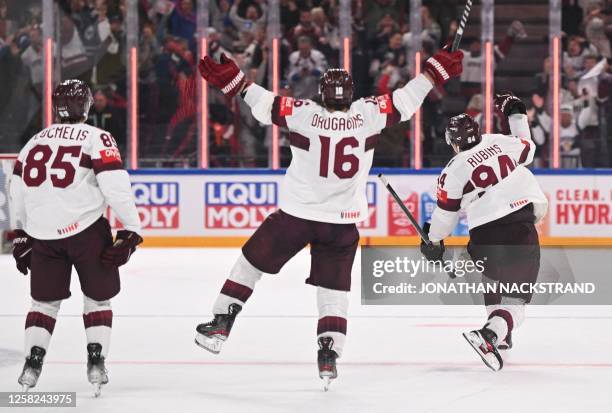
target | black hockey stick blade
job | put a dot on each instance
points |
(464, 18)
(399, 202)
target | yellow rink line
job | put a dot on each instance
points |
(227, 242)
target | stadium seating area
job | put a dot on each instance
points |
(91, 38)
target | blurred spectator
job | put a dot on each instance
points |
(389, 66)
(306, 65)
(110, 69)
(329, 37)
(573, 57)
(289, 13)
(74, 60)
(305, 28)
(182, 22)
(375, 10)
(247, 15)
(32, 58)
(106, 117)
(431, 33)
(385, 28)
(472, 60)
(571, 17)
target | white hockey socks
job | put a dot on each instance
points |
(98, 321)
(238, 287)
(333, 308)
(505, 317)
(40, 323)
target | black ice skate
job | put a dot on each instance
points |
(32, 368)
(326, 359)
(213, 334)
(96, 370)
(484, 342)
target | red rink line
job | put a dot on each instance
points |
(348, 363)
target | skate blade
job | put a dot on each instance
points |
(489, 359)
(212, 344)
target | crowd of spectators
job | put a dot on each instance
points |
(587, 78)
(92, 47)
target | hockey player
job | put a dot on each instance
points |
(323, 193)
(64, 178)
(488, 178)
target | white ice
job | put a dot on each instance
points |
(397, 359)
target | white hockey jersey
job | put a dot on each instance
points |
(64, 178)
(332, 151)
(488, 181)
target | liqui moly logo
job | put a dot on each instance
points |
(238, 205)
(370, 221)
(157, 204)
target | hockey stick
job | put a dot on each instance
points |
(462, 22)
(413, 221)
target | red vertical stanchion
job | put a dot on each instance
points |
(203, 145)
(275, 89)
(556, 111)
(48, 82)
(416, 139)
(488, 87)
(133, 73)
(346, 58)
(48, 25)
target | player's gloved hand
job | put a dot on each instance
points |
(444, 65)
(123, 248)
(432, 251)
(508, 104)
(225, 75)
(22, 250)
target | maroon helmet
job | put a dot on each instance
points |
(463, 131)
(336, 88)
(71, 101)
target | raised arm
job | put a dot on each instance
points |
(229, 79)
(513, 109)
(438, 70)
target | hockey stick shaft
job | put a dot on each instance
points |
(464, 18)
(399, 202)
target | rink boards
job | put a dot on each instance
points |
(224, 207)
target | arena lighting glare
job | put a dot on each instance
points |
(133, 107)
(416, 139)
(48, 73)
(203, 110)
(275, 81)
(488, 87)
(556, 109)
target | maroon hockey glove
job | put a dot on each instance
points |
(507, 104)
(433, 251)
(22, 250)
(123, 248)
(225, 75)
(444, 65)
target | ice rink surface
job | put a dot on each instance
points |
(397, 359)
